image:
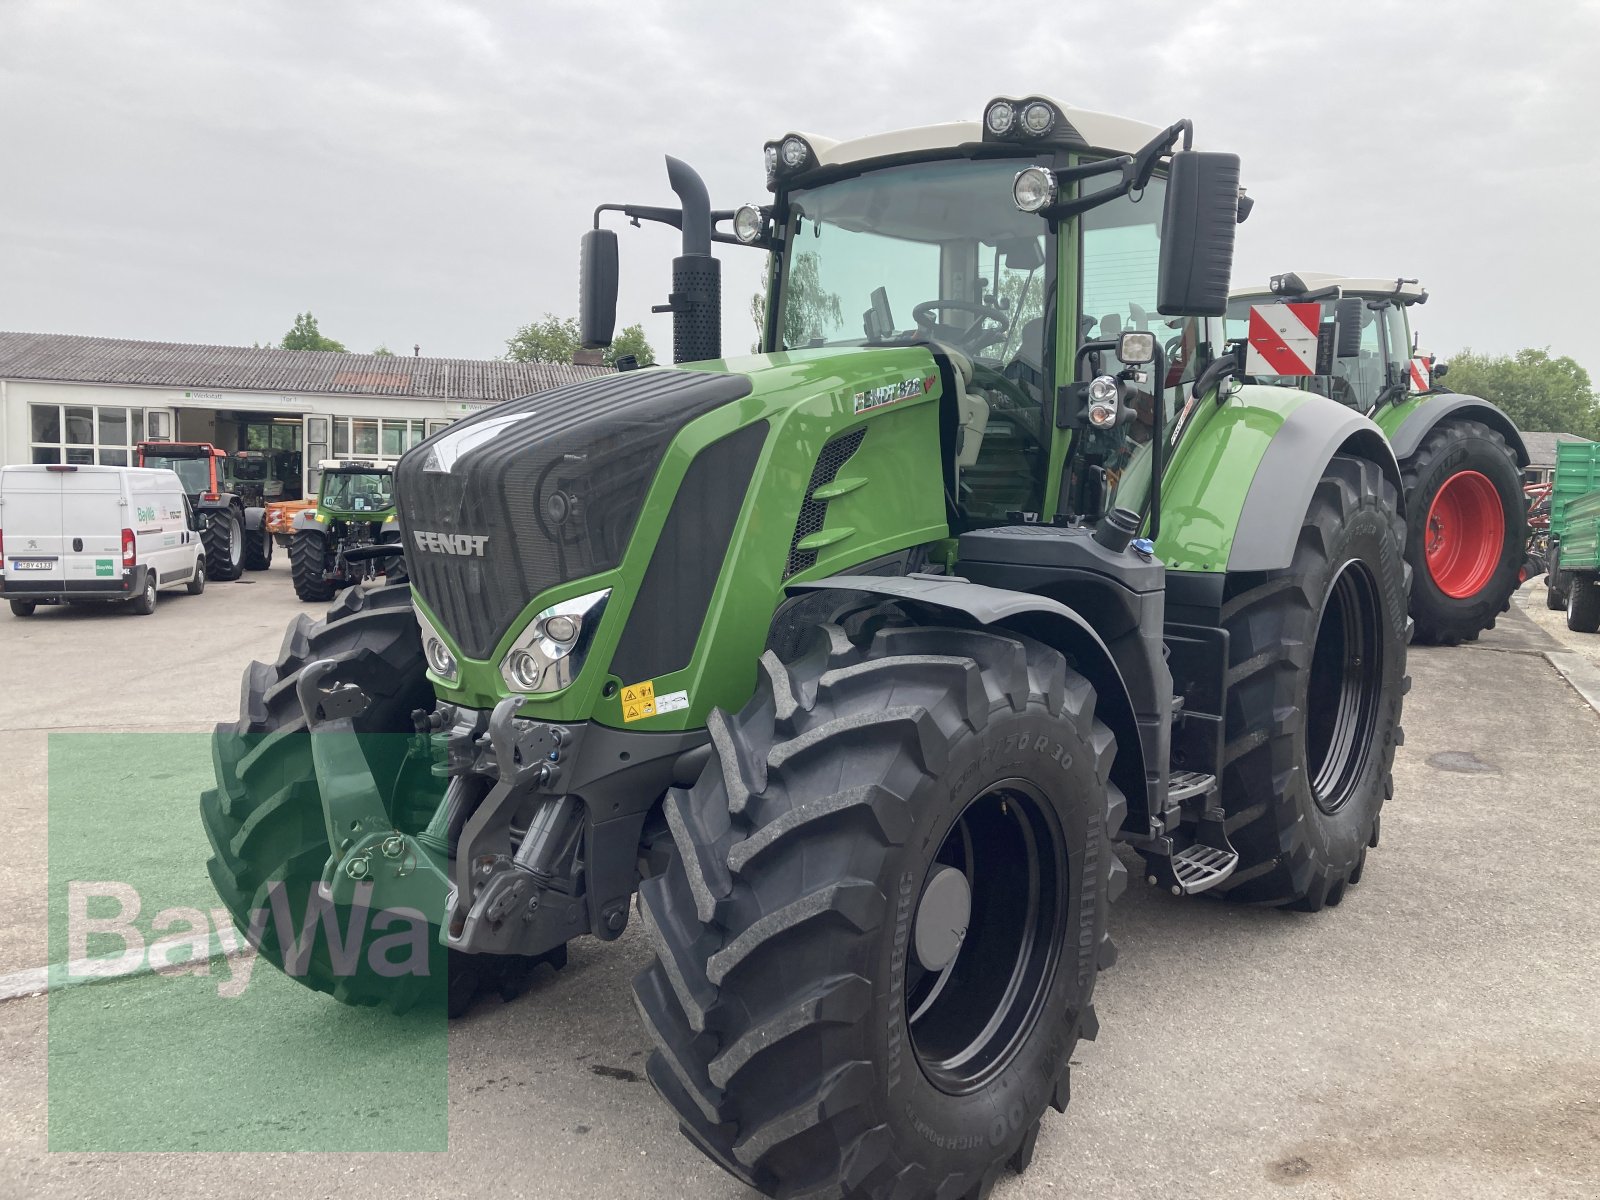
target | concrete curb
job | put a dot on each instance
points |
(1577, 670)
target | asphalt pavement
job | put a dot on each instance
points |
(1435, 1035)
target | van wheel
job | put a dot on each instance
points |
(145, 602)
(197, 582)
(23, 608)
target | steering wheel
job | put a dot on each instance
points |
(977, 337)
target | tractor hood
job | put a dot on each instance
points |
(538, 491)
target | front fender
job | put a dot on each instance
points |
(306, 519)
(1141, 739)
(1409, 423)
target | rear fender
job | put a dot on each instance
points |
(1410, 423)
(1045, 620)
(254, 518)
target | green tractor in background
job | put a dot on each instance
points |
(854, 659)
(342, 540)
(1461, 458)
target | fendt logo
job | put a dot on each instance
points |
(451, 543)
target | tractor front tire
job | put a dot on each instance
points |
(805, 1034)
(264, 817)
(1583, 604)
(257, 548)
(1466, 531)
(223, 539)
(308, 558)
(1316, 674)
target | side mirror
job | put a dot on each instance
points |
(1347, 314)
(597, 288)
(1197, 230)
(1439, 370)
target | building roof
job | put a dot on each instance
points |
(1542, 446)
(73, 359)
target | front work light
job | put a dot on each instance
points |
(1038, 118)
(1000, 117)
(794, 152)
(1034, 189)
(749, 224)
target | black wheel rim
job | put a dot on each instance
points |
(968, 1020)
(1345, 688)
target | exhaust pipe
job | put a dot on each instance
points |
(696, 299)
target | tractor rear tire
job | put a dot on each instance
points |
(264, 817)
(1466, 531)
(308, 557)
(798, 1036)
(257, 548)
(223, 538)
(1316, 678)
(1583, 605)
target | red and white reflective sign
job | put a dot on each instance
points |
(1421, 374)
(1283, 339)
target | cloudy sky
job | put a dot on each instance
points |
(419, 171)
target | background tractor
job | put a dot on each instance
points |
(233, 524)
(854, 658)
(1461, 458)
(336, 543)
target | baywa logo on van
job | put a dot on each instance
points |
(146, 514)
(451, 543)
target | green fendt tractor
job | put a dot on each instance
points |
(1461, 458)
(351, 532)
(855, 659)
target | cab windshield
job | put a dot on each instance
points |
(357, 491)
(194, 472)
(927, 251)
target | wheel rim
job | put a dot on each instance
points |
(235, 542)
(1345, 688)
(1465, 533)
(968, 1019)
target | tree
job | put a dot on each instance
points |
(552, 340)
(383, 352)
(555, 340)
(304, 335)
(809, 312)
(630, 341)
(1553, 395)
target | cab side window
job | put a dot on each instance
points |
(1358, 380)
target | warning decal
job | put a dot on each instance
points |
(1283, 339)
(638, 701)
(1421, 371)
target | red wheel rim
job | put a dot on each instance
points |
(1465, 534)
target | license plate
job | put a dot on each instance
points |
(31, 564)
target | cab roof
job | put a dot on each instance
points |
(1407, 291)
(1079, 128)
(361, 465)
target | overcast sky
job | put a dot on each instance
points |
(420, 171)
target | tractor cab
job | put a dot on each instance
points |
(197, 464)
(1350, 338)
(357, 490)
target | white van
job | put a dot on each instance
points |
(81, 533)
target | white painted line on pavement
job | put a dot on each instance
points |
(36, 981)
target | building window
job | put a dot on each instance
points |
(84, 434)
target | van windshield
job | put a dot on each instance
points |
(195, 472)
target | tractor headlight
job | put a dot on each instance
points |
(770, 155)
(1038, 118)
(1000, 117)
(440, 660)
(794, 152)
(1103, 390)
(749, 223)
(1034, 189)
(549, 653)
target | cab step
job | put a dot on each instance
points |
(1210, 858)
(1201, 867)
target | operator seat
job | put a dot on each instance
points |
(1027, 366)
(972, 410)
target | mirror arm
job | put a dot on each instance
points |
(642, 212)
